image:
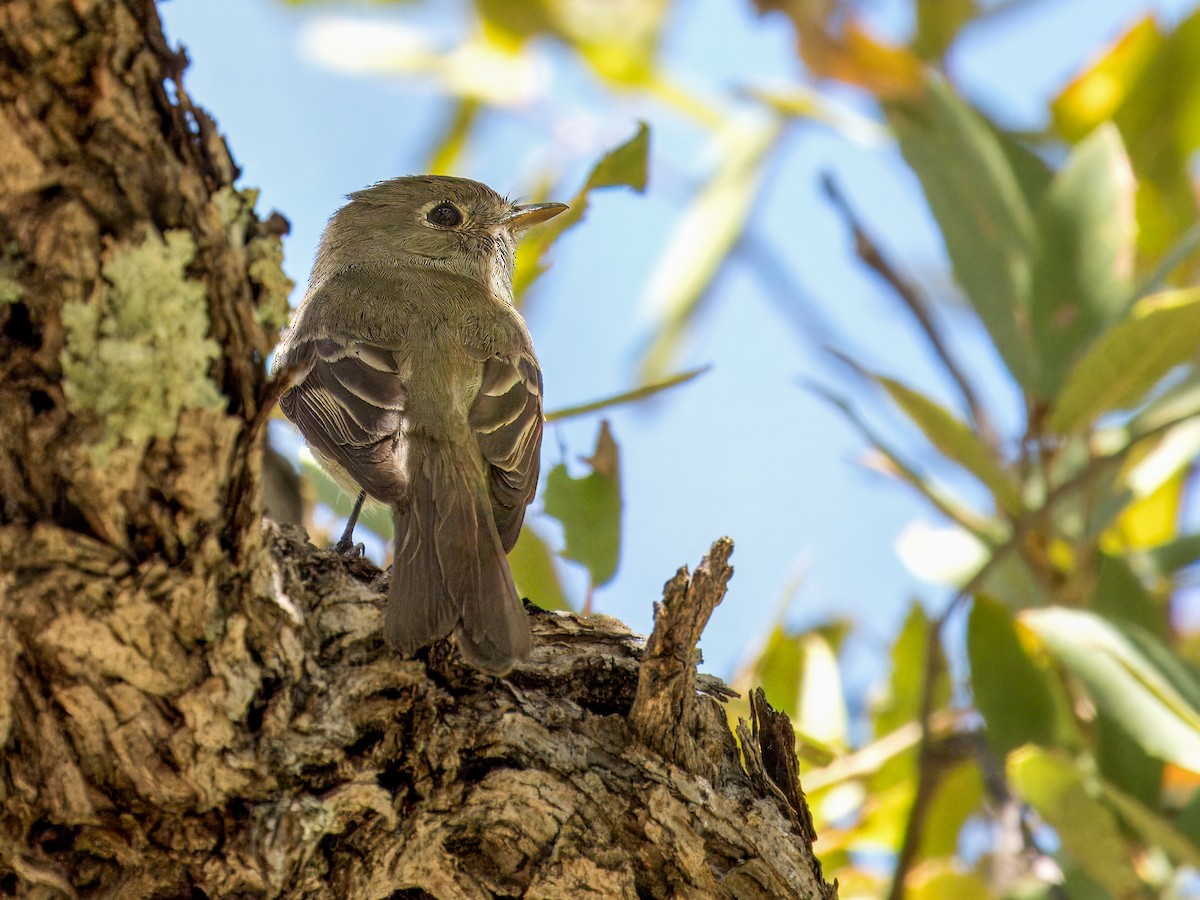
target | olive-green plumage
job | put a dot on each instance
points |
(413, 377)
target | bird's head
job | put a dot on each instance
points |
(448, 223)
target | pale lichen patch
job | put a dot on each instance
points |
(266, 271)
(10, 288)
(139, 352)
(264, 253)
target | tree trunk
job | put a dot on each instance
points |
(197, 703)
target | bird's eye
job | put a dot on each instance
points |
(445, 215)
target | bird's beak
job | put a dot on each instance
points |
(520, 217)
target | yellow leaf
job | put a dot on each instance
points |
(1096, 94)
(1149, 521)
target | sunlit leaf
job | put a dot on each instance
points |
(1053, 786)
(888, 803)
(1083, 266)
(822, 704)
(1157, 120)
(703, 238)
(1130, 676)
(956, 441)
(477, 68)
(589, 509)
(1161, 333)
(1011, 691)
(1149, 520)
(982, 212)
(940, 879)
(633, 396)
(941, 554)
(852, 54)
(503, 20)
(624, 166)
(1094, 95)
(533, 570)
(618, 38)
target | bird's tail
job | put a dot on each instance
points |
(450, 571)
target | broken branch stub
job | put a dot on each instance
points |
(664, 714)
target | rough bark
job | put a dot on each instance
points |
(197, 703)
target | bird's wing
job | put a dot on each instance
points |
(507, 418)
(348, 403)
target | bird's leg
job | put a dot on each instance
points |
(346, 546)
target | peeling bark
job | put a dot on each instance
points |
(197, 703)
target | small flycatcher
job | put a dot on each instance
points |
(413, 379)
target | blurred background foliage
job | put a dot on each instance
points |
(1037, 733)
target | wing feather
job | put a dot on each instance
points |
(350, 409)
(507, 418)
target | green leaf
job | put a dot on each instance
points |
(1083, 267)
(1123, 763)
(704, 237)
(633, 396)
(956, 441)
(1153, 829)
(987, 530)
(1167, 559)
(624, 166)
(589, 509)
(938, 24)
(1157, 119)
(534, 572)
(1088, 830)
(1117, 372)
(1121, 596)
(779, 670)
(1130, 677)
(1174, 405)
(958, 796)
(1012, 692)
(1187, 822)
(982, 211)
(1033, 175)
(902, 704)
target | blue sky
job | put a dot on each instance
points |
(745, 451)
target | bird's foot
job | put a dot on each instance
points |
(347, 550)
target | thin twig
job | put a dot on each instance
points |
(872, 256)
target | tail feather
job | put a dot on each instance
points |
(420, 610)
(450, 570)
(494, 631)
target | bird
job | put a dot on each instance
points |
(412, 377)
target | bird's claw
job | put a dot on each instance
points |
(347, 550)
